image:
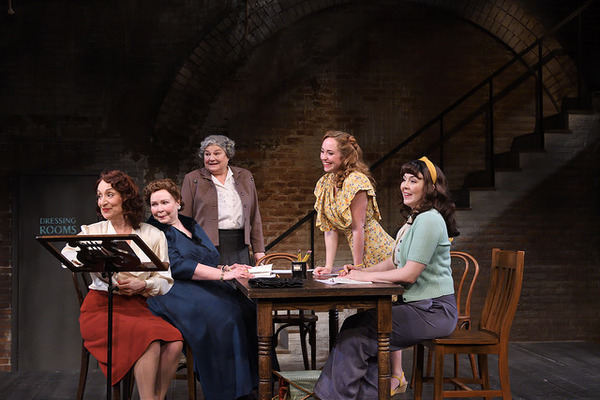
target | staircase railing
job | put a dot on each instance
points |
(487, 108)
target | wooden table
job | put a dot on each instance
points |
(322, 297)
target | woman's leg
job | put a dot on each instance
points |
(397, 380)
(348, 372)
(170, 353)
(145, 371)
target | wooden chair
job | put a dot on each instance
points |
(491, 337)
(124, 389)
(306, 321)
(189, 375)
(465, 270)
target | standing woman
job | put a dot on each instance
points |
(217, 321)
(141, 340)
(421, 262)
(223, 200)
(346, 204)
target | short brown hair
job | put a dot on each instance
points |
(163, 184)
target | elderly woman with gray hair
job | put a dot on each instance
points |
(223, 200)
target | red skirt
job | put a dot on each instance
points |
(134, 328)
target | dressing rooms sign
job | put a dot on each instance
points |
(58, 226)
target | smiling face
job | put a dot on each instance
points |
(109, 201)
(215, 160)
(164, 207)
(412, 189)
(331, 157)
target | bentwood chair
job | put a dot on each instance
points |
(465, 270)
(124, 389)
(305, 320)
(491, 337)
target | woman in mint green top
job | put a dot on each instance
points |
(427, 309)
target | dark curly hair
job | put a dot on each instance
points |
(163, 184)
(133, 206)
(351, 157)
(434, 195)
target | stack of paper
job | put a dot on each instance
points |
(262, 271)
(339, 279)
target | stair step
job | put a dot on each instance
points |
(581, 111)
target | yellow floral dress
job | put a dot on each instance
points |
(333, 213)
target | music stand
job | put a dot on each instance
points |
(106, 254)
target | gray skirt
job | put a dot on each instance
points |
(232, 247)
(351, 369)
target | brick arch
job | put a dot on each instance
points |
(224, 48)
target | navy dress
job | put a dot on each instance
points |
(215, 319)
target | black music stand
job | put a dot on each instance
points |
(106, 254)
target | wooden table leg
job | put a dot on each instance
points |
(384, 328)
(265, 336)
(333, 326)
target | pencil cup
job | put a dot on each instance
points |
(299, 269)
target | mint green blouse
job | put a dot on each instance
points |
(426, 242)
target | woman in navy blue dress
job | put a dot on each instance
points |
(216, 320)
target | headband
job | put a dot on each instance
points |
(430, 167)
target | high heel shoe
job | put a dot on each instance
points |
(402, 385)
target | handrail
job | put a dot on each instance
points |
(533, 70)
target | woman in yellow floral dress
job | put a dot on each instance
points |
(346, 204)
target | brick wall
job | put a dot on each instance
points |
(86, 95)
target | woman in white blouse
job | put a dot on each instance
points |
(142, 341)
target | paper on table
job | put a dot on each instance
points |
(339, 279)
(262, 271)
(264, 275)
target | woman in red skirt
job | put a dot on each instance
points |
(142, 341)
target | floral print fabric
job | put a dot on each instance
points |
(333, 213)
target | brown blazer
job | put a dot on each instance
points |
(199, 196)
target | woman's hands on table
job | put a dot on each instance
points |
(237, 271)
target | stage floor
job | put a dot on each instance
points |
(538, 371)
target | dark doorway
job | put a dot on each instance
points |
(46, 330)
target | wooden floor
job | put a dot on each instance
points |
(557, 370)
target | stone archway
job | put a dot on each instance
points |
(225, 47)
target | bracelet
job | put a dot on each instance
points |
(222, 272)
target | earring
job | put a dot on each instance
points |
(179, 207)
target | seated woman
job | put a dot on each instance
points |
(216, 320)
(421, 262)
(140, 339)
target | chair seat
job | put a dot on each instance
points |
(471, 337)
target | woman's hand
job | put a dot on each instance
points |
(258, 256)
(131, 287)
(322, 271)
(238, 272)
(358, 275)
(348, 268)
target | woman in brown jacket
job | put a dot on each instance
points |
(223, 200)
